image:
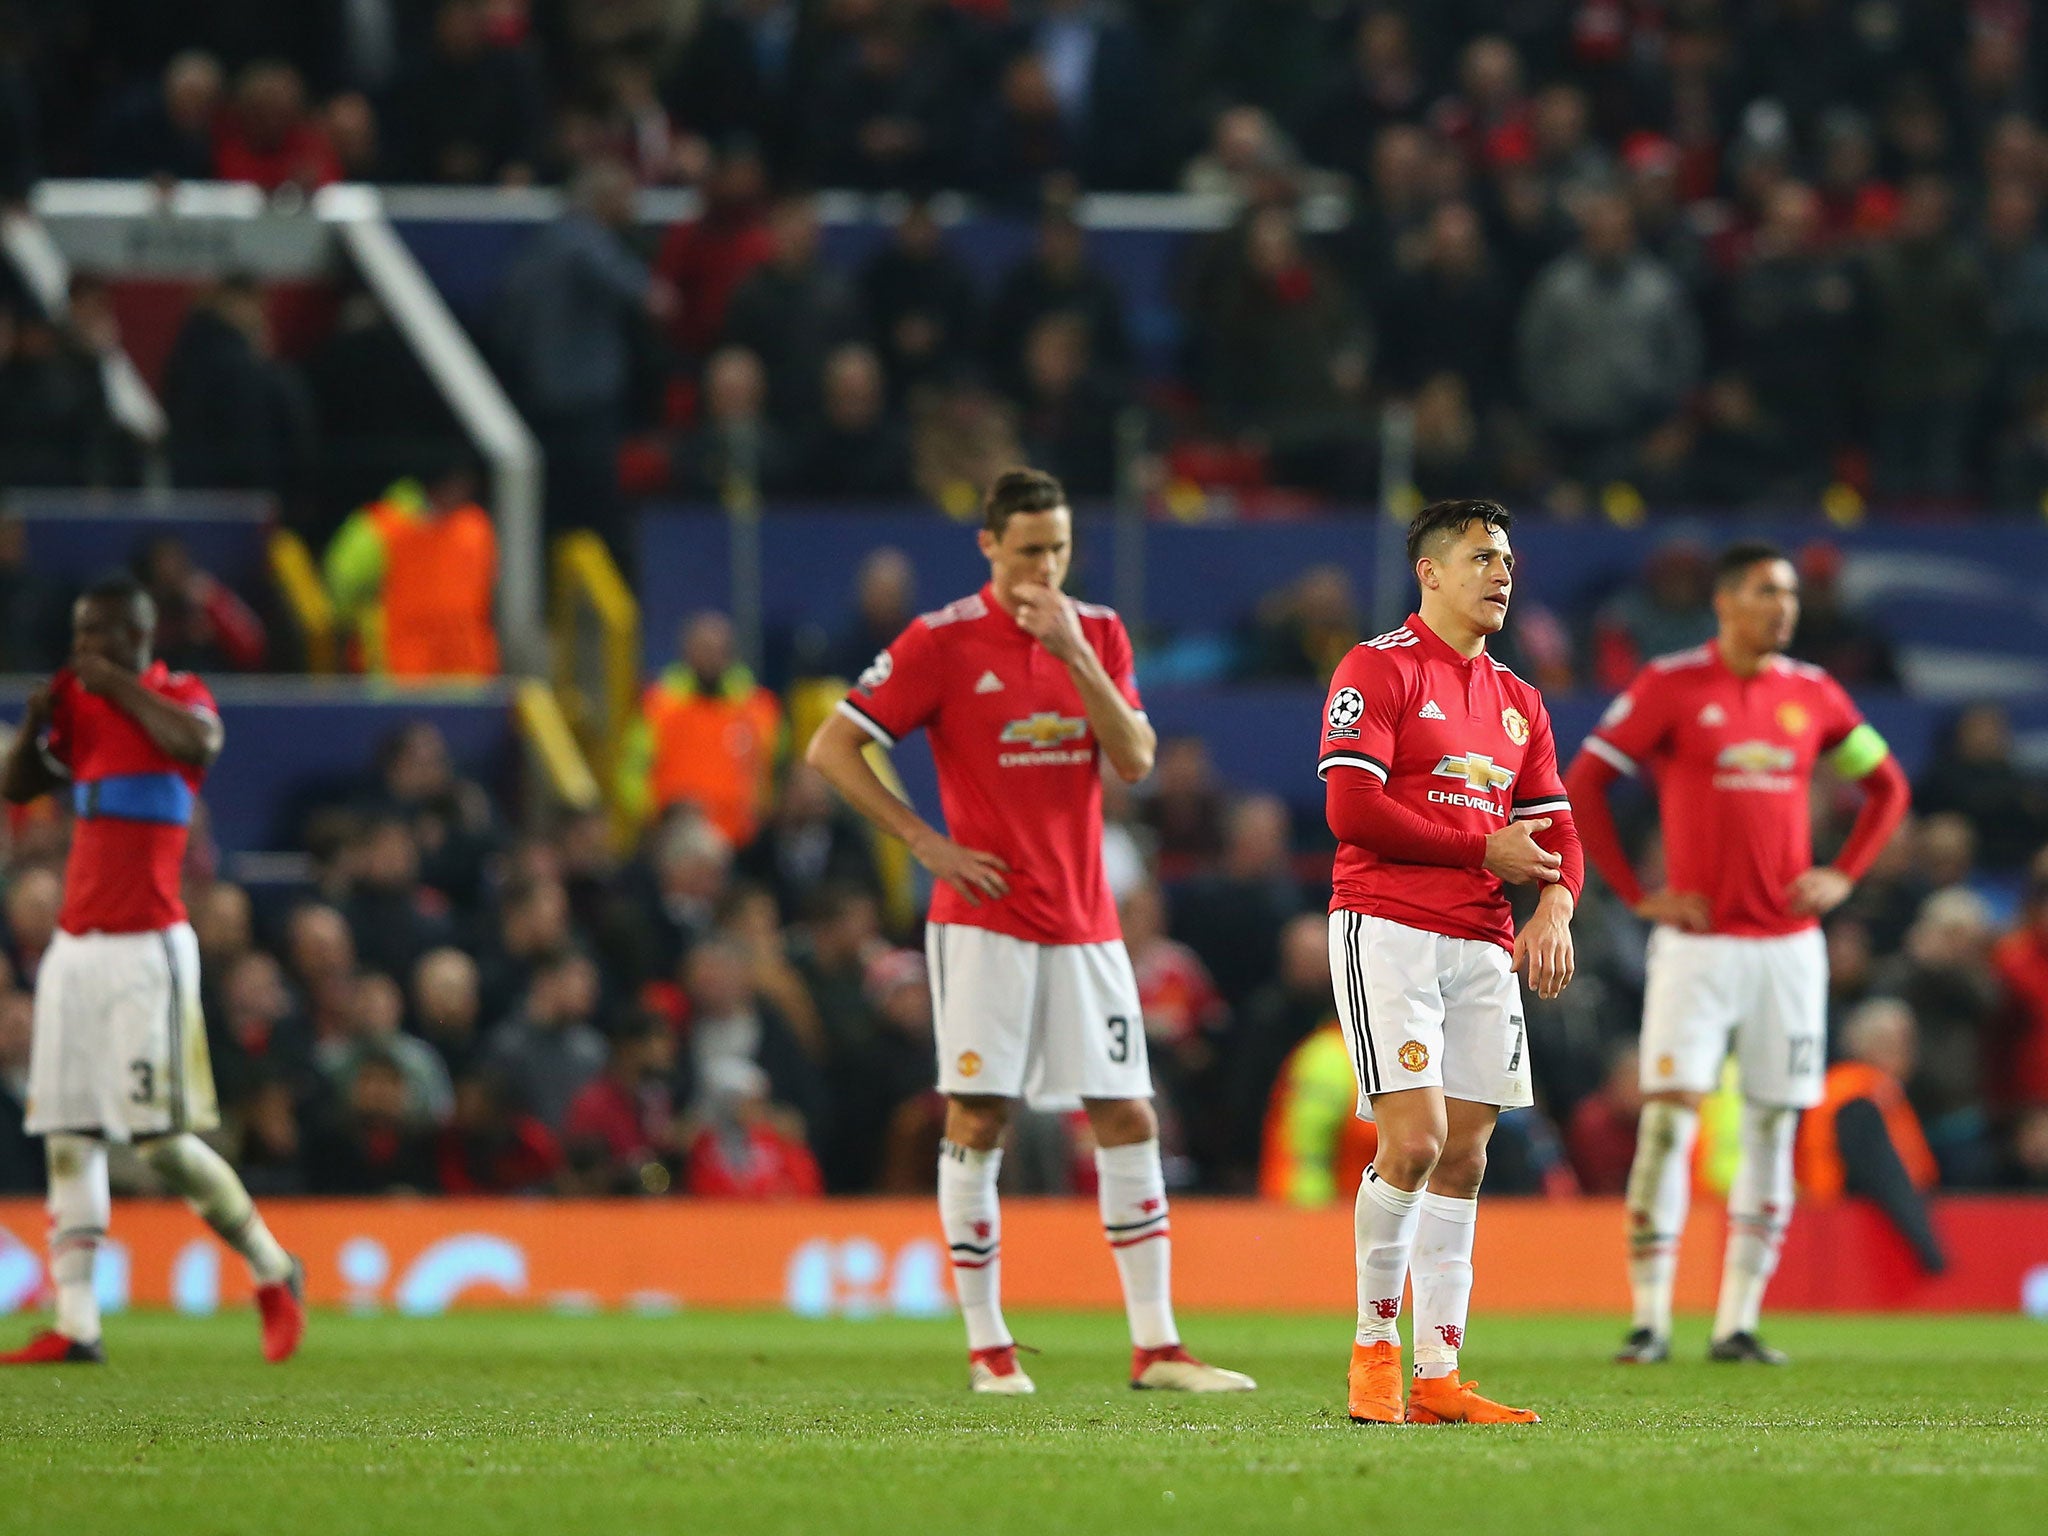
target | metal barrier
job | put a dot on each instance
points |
(595, 633)
(305, 595)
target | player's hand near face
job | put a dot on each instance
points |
(1047, 615)
(1818, 892)
(969, 871)
(1687, 911)
(1543, 949)
(99, 676)
(1513, 854)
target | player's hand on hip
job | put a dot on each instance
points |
(1048, 616)
(969, 871)
(1543, 952)
(1818, 892)
(1512, 853)
(1688, 911)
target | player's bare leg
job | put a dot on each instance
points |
(214, 1190)
(1412, 1130)
(1659, 1195)
(1759, 1210)
(969, 1160)
(80, 1207)
(1442, 1270)
(1132, 1190)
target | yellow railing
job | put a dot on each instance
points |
(305, 594)
(595, 630)
(545, 729)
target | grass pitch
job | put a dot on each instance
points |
(480, 1424)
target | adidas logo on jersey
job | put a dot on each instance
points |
(989, 683)
(1430, 712)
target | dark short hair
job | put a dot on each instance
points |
(1453, 517)
(124, 590)
(1736, 561)
(1020, 490)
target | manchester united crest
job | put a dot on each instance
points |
(1792, 719)
(1516, 724)
(970, 1064)
(1414, 1055)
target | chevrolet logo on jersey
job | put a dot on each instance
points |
(1756, 757)
(1044, 731)
(1477, 771)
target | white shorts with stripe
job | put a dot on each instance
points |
(1766, 996)
(1424, 1010)
(1051, 1023)
(120, 1043)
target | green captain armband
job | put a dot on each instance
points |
(1860, 752)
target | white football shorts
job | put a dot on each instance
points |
(1424, 1010)
(1051, 1023)
(1769, 996)
(120, 1042)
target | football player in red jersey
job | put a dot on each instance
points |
(1441, 785)
(1730, 732)
(119, 1050)
(1023, 693)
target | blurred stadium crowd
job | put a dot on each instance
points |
(737, 1006)
(1725, 253)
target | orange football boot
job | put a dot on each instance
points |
(1447, 1400)
(1375, 1383)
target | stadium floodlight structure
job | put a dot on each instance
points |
(204, 230)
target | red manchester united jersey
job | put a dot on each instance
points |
(1733, 761)
(1019, 768)
(133, 802)
(1466, 744)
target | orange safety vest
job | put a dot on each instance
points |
(1819, 1155)
(716, 751)
(440, 576)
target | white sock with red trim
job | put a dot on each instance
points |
(972, 1220)
(1659, 1194)
(216, 1193)
(81, 1204)
(1132, 1190)
(1442, 1272)
(1759, 1211)
(1383, 1227)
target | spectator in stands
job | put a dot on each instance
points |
(202, 625)
(269, 1150)
(1609, 345)
(1183, 807)
(707, 735)
(1831, 634)
(792, 312)
(240, 418)
(706, 259)
(446, 1002)
(258, 1035)
(1056, 278)
(921, 304)
(1488, 115)
(858, 450)
(450, 816)
(165, 128)
(886, 109)
(736, 74)
(1974, 774)
(1944, 976)
(1019, 139)
(830, 951)
(574, 307)
(622, 1135)
(960, 440)
(1451, 315)
(21, 1155)
(1602, 1135)
(533, 928)
(2015, 260)
(1928, 353)
(266, 135)
(1248, 160)
(416, 574)
(2018, 1053)
(1864, 1139)
(491, 1147)
(35, 614)
(750, 1148)
(368, 1144)
(729, 1022)
(394, 917)
(350, 123)
(601, 907)
(1790, 324)
(1071, 414)
(1382, 82)
(55, 426)
(550, 1048)
(1289, 1006)
(884, 603)
(750, 918)
(1234, 917)
(1304, 629)
(809, 841)
(223, 920)
(1186, 1020)
(899, 991)
(469, 110)
(377, 1010)
(736, 454)
(680, 881)
(1670, 609)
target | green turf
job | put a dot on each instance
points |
(752, 1423)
